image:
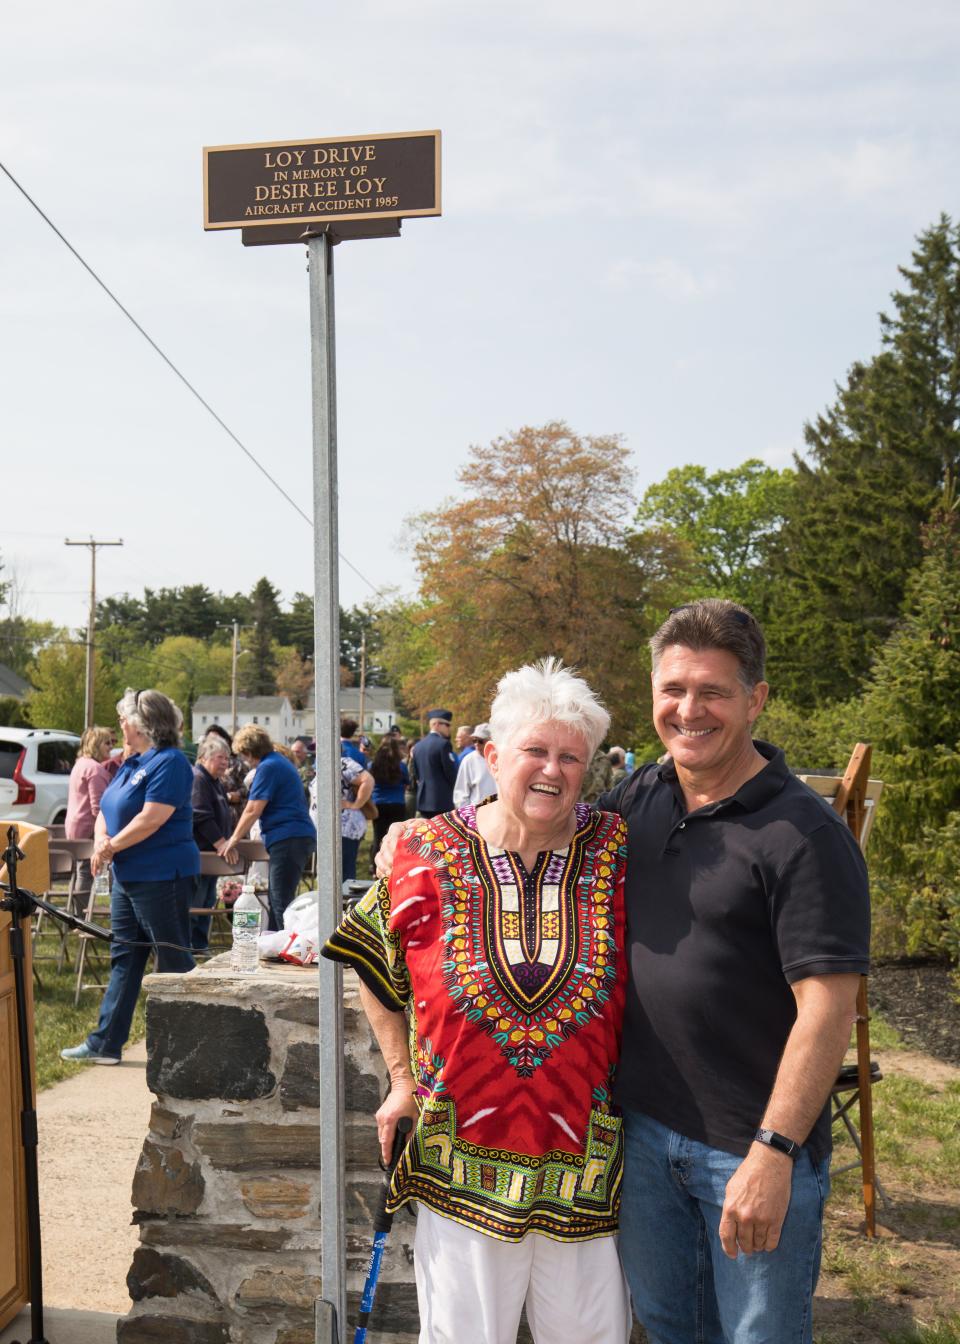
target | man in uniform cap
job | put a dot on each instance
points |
(435, 764)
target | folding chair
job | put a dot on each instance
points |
(61, 868)
(212, 865)
(854, 796)
(96, 911)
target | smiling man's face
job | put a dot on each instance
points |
(702, 711)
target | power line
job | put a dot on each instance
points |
(173, 368)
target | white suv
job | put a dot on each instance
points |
(35, 765)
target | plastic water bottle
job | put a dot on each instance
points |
(103, 883)
(247, 913)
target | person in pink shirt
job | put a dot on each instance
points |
(88, 779)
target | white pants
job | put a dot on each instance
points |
(471, 1287)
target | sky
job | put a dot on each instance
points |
(676, 223)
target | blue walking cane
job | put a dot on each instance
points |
(381, 1230)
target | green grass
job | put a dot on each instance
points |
(946, 1331)
(917, 1134)
(917, 1140)
(883, 1036)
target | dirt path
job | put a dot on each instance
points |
(92, 1128)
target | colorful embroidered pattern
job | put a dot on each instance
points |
(507, 1194)
(532, 960)
(513, 982)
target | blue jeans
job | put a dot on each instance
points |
(140, 912)
(205, 895)
(349, 849)
(685, 1289)
(288, 858)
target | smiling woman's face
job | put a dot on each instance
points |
(540, 773)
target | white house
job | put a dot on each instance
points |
(379, 709)
(271, 712)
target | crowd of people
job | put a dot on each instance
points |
(612, 1001)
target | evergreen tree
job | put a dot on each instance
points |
(911, 715)
(877, 459)
(259, 668)
(357, 623)
(296, 625)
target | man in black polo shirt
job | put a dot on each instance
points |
(748, 926)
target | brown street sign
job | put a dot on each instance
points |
(310, 181)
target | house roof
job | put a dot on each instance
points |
(11, 683)
(246, 704)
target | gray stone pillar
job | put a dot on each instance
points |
(226, 1191)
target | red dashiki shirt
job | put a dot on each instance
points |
(514, 985)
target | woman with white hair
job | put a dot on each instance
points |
(492, 971)
(145, 830)
(212, 823)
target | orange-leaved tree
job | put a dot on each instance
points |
(537, 558)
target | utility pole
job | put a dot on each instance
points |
(363, 674)
(233, 681)
(91, 621)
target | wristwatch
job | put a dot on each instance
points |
(779, 1141)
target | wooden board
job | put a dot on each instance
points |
(14, 1265)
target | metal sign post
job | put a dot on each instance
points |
(321, 192)
(326, 627)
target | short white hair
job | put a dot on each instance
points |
(212, 745)
(546, 692)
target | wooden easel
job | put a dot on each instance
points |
(855, 797)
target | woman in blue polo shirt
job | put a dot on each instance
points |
(145, 829)
(278, 799)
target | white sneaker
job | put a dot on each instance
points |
(82, 1054)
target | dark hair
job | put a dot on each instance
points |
(220, 732)
(347, 727)
(715, 623)
(385, 766)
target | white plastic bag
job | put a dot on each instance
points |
(297, 941)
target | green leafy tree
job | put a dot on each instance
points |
(13, 712)
(183, 668)
(20, 637)
(877, 461)
(727, 518)
(58, 675)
